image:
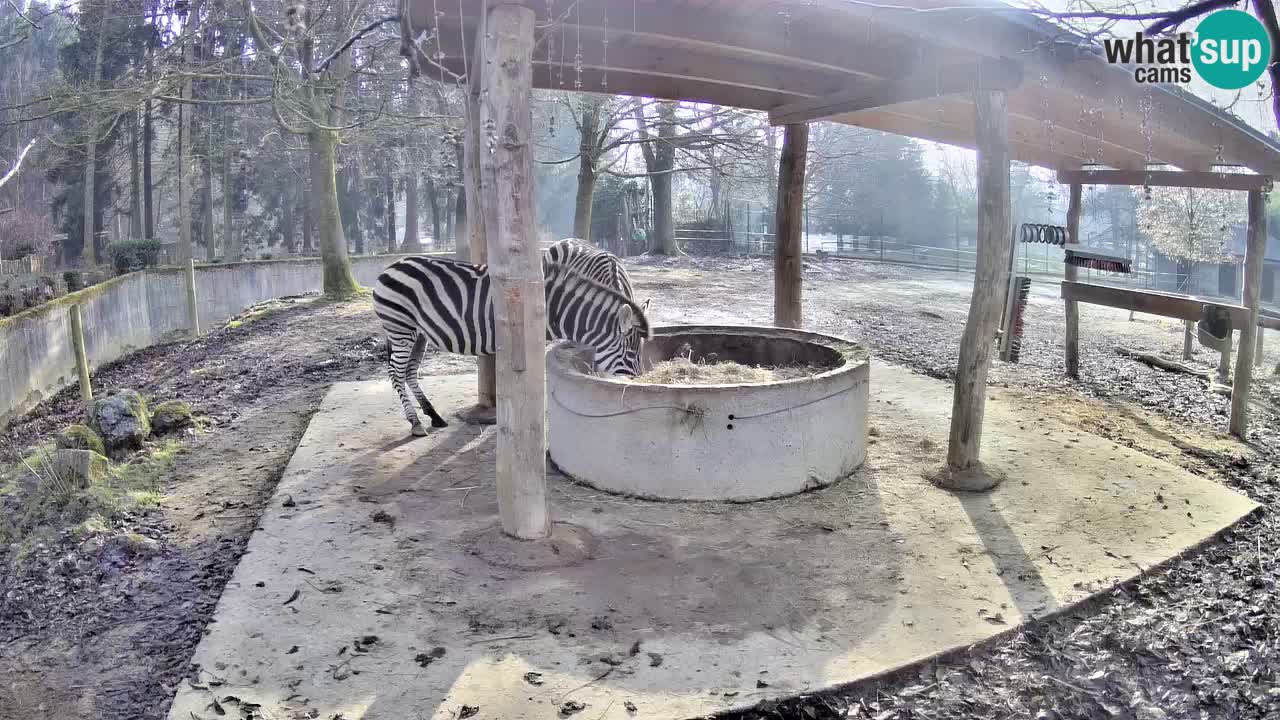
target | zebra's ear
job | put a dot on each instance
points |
(626, 318)
(645, 306)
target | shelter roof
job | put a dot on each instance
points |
(903, 66)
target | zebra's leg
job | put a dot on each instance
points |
(411, 372)
(401, 350)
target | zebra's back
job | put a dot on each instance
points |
(448, 301)
(590, 262)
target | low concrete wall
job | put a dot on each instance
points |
(135, 311)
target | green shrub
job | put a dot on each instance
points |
(131, 255)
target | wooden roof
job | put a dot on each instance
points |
(903, 66)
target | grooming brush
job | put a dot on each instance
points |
(1085, 257)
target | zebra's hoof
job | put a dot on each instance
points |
(438, 423)
(418, 430)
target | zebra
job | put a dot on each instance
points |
(449, 304)
(591, 262)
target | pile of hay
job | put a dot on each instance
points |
(683, 371)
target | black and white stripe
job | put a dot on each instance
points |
(449, 304)
(590, 262)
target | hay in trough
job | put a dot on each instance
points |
(683, 371)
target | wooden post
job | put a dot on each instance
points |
(1253, 255)
(479, 199)
(788, 267)
(1072, 342)
(193, 312)
(82, 360)
(506, 125)
(992, 123)
(1257, 352)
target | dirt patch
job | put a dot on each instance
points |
(95, 627)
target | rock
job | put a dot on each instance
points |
(122, 421)
(169, 416)
(130, 545)
(79, 437)
(77, 468)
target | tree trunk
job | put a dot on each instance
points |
(412, 240)
(287, 229)
(991, 120)
(589, 128)
(355, 198)
(206, 198)
(231, 245)
(308, 220)
(461, 226)
(391, 213)
(135, 179)
(339, 281)
(449, 198)
(582, 203)
(148, 206)
(88, 254)
(516, 271)
(788, 267)
(186, 246)
(1254, 253)
(433, 198)
(664, 233)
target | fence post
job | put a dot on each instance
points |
(193, 314)
(82, 360)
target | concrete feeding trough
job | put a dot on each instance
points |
(727, 442)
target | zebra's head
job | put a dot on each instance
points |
(592, 314)
(623, 357)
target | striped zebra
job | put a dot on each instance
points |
(592, 262)
(449, 304)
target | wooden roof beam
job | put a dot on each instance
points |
(922, 84)
(887, 120)
(1167, 178)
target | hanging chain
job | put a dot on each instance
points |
(604, 80)
(577, 58)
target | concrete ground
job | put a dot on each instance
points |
(365, 592)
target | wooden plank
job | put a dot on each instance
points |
(515, 269)
(1253, 259)
(1071, 345)
(935, 82)
(788, 268)
(1168, 178)
(992, 121)
(1179, 307)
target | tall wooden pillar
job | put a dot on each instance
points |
(1253, 256)
(475, 189)
(788, 265)
(515, 268)
(1072, 344)
(992, 126)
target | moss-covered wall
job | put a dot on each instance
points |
(140, 309)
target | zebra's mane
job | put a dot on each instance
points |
(557, 268)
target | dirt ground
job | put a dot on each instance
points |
(1194, 640)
